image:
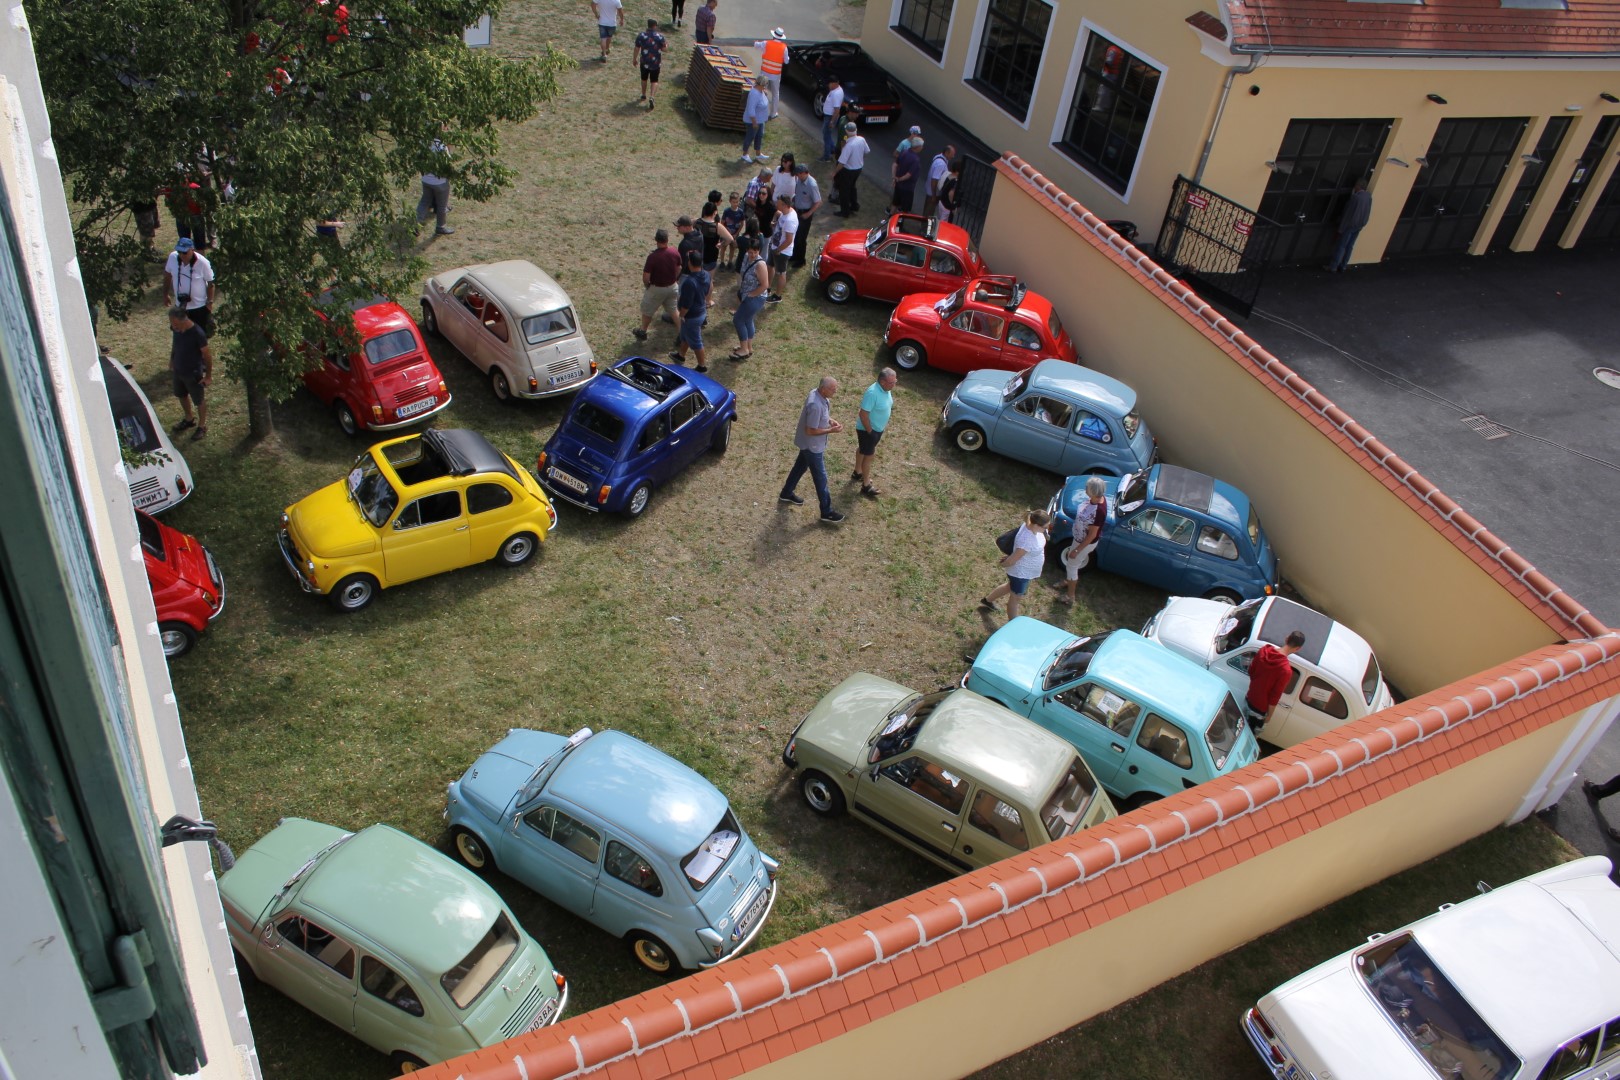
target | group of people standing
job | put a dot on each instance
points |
(816, 424)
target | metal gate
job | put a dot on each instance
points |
(1570, 198)
(1215, 245)
(1524, 192)
(1459, 176)
(1318, 163)
(1604, 222)
(973, 195)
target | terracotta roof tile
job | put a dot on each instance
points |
(1435, 27)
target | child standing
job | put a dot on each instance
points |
(733, 218)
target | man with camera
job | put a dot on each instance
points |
(188, 282)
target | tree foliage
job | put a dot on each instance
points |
(281, 113)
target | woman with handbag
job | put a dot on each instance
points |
(1023, 563)
(751, 286)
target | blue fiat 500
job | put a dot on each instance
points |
(632, 431)
(1149, 722)
(1056, 416)
(620, 834)
(1179, 530)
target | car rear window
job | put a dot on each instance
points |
(1235, 629)
(1427, 1011)
(478, 971)
(1223, 731)
(552, 324)
(705, 863)
(603, 425)
(137, 428)
(390, 346)
(1070, 800)
(1132, 423)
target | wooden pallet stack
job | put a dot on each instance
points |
(717, 85)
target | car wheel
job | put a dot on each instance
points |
(353, 592)
(177, 638)
(345, 418)
(969, 437)
(406, 1063)
(722, 437)
(430, 321)
(821, 793)
(639, 499)
(909, 356)
(498, 384)
(517, 550)
(818, 101)
(1139, 800)
(840, 288)
(652, 954)
(1223, 596)
(470, 850)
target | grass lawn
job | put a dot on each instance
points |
(708, 627)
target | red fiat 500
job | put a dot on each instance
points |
(383, 380)
(906, 254)
(187, 587)
(991, 322)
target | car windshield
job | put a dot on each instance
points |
(1016, 385)
(1254, 528)
(599, 423)
(1133, 491)
(391, 346)
(1067, 807)
(1235, 629)
(711, 856)
(1224, 731)
(553, 324)
(152, 539)
(879, 233)
(901, 727)
(137, 427)
(1429, 1013)
(1132, 422)
(1371, 679)
(478, 971)
(1054, 326)
(372, 492)
(952, 303)
(1073, 661)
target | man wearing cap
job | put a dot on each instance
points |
(906, 168)
(832, 104)
(911, 136)
(188, 281)
(773, 57)
(806, 201)
(659, 275)
(851, 160)
(649, 55)
(704, 23)
(609, 17)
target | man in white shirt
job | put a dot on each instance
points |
(787, 228)
(831, 105)
(609, 17)
(188, 282)
(938, 169)
(851, 160)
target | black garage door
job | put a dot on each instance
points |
(1604, 224)
(1570, 199)
(1524, 192)
(1317, 164)
(1457, 179)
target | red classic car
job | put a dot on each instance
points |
(187, 587)
(991, 322)
(383, 380)
(906, 254)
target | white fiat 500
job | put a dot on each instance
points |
(1336, 676)
(1522, 983)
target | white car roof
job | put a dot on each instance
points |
(518, 284)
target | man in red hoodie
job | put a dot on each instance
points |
(1268, 677)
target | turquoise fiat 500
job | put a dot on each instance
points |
(1148, 722)
(620, 834)
(388, 939)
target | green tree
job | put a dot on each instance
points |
(273, 115)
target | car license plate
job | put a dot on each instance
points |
(755, 910)
(572, 483)
(416, 407)
(556, 379)
(543, 1017)
(145, 500)
(877, 119)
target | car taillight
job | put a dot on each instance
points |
(443, 389)
(213, 600)
(534, 384)
(557, 977)
(601, 496)
(593, 367)
(540, 464)
(180, 485)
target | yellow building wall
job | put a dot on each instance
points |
(1350, 545)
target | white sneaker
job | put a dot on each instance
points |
(763, 159)
(745, 159)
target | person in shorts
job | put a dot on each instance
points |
(1089, 520)
(609, 17)
(1024, 565)
(192, 365)
(692, 308)
(870, 424)
(649, 56)
(783, 234)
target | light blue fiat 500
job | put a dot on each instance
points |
(620, 834)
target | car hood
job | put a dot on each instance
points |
(1011, 664)
(1189, 624)
(327, 524)
(843, 721)
(984, 388)
(1334, 1029)
(847, 245)
(494, 779)
(918, 309)
(264, 868)
(185, 558)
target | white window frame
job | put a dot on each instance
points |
(1066, 102)
(950, 32)
(980, 14)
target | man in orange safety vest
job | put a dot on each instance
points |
(773, 58)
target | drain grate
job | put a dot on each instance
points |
(1607, 376)
(1482, 427)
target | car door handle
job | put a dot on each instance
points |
(462, 528)
(947, 826)
(1116, 748)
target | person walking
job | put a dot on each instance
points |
(783, 235)
(832, 107)
(435, 194)
(1089, 520)
(806, 201)
(1351, 222)
(677, 12)
(692, 309)
(847, 174)
(938, 170)
(609, 17)
(773, 57)
(1597, 792)
(659, 275)
(950, 193)
(815, 424)
(751, 287)
(870, 424)
(188, 281)
(907, 164)
(756, 110)
(192, 366)
(704, 23)
(1269, 673)
(649, 56)
(1023, 565)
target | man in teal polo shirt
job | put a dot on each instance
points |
(876, 404)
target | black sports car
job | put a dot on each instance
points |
(869, 96)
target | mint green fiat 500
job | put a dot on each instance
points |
(388, 939)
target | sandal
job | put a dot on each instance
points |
(735, 355)
(986, 602)
(188, 422)
(871, 491)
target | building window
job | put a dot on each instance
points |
(1112, 101)
(1010, 48)
(925, 23)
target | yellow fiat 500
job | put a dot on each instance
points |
(411, 508)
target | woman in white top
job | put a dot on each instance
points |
(1024, 565)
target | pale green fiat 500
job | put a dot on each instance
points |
(388, 939)
(954, 777)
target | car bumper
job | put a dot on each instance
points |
(539, 393)
(875, 114)
(568, 495)
(219, 579)
(289, 555)
(759, 924)
(416, 419)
